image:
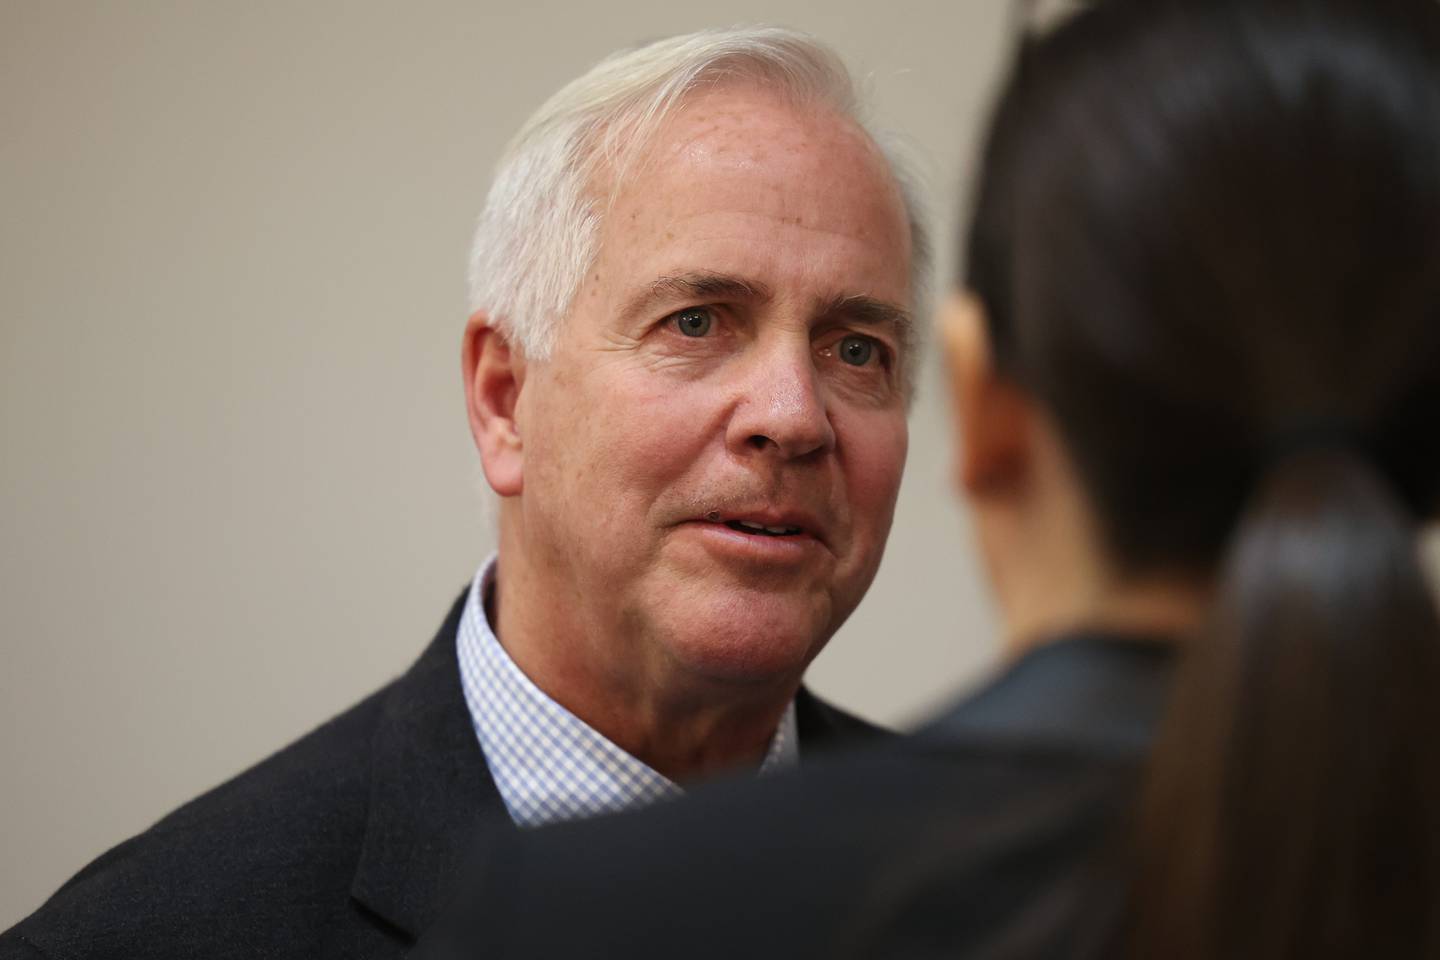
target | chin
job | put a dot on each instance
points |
(757, 641)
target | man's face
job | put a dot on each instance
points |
(712, 453)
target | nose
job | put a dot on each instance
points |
(782, 409)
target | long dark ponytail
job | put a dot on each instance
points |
(1294, 804)
(1208, 239)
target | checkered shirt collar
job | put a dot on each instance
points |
(548, 764)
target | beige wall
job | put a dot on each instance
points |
(236, 486)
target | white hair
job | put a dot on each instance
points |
(538, 234)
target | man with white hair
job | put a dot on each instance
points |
(687, 371)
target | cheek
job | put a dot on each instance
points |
(665, 422)
(875, 445)
(564, 443)
(626, 440)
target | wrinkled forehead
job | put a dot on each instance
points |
(632, 139)
(746, 129)
(751, 124)
(733, 157)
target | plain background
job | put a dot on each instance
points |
(237, 484)
(237, 489)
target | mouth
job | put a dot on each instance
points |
(767, 524)
(766, 537)
(763, 530)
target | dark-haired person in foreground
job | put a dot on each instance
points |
(1196, 368)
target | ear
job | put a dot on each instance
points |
(994, 418)
(494, 375)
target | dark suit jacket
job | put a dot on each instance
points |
(337, 846)
(999, 831)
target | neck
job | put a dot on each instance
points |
(1163, 609)
(1052, 573)
(684, 726)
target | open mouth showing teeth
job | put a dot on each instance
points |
(745, 526)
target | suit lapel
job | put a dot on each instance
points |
(430, 790)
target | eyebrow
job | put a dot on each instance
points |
(869, 312)
(697, 286)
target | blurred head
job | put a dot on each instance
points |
(1201, 231)
(1201, 342)
(688, 363)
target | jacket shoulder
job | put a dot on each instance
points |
(824, 726)
(258, 860)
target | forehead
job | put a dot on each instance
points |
(743, 183)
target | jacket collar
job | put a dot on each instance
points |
(430, 790)
(1093, 692)
(820, 726)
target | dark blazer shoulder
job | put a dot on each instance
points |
(330, 847)
(822, 725)
(210, 871)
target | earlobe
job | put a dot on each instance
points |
(494, 375)
(992, 414)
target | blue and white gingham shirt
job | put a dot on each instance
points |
(548, 764)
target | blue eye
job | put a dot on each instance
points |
(693, 322)
(857, 351)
